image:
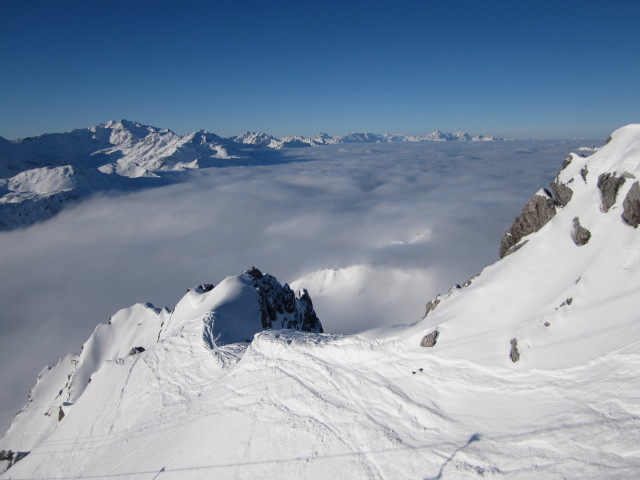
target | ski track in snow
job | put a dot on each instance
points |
(367, 413)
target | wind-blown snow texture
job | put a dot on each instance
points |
(379, 405)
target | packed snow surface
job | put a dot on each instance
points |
(534, 374)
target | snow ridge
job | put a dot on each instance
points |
(207, 319)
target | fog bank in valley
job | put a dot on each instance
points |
(372, 231)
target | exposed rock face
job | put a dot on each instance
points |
(583, 173)
(609, 184)
(561, 193)
(432, 304)
(278, 304)
(205, 287)
(430, 339)
(136, 350)
(631, 204)
(514, 354)
(470, 280)
(11, 457)
(540, 209)
(580, 235)
(310, 321)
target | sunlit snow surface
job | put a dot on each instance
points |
(372, 232)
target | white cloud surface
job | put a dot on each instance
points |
(372, 231)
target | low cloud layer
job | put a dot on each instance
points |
(376, 230)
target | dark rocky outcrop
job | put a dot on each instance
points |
(514, 354)
(11, 457)
(432, 304)
(567, 162)
(430, 339)
(631, 205)
(279, 307)
(310, 321)
(583, 173)
(540, 209)
(205, 287)
(470, 281)
(609, 184)
(561, 193)
(579, 234)
(136, 350)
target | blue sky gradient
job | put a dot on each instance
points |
(517, 69)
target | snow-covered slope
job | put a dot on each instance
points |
(533, 371)
(567, 289)
(204, 326)
(59, 387)
(41, 175)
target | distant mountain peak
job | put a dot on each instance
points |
(105, 156)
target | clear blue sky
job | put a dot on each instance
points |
(514, 68)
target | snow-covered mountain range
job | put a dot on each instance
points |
(527, 370)
(41, 175)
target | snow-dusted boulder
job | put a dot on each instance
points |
(430, 339)
(609, 184)
(631, 213)
(579, 234)
(562, 193)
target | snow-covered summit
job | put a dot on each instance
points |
(368, 137)
(210, 323)
(40, 175)
(258, 139)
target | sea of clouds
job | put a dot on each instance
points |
(373, 231)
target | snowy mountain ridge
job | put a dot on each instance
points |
(528, 370)
(209, 320)
(40, 175)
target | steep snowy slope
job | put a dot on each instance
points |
(59, 387)
(568, 289)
